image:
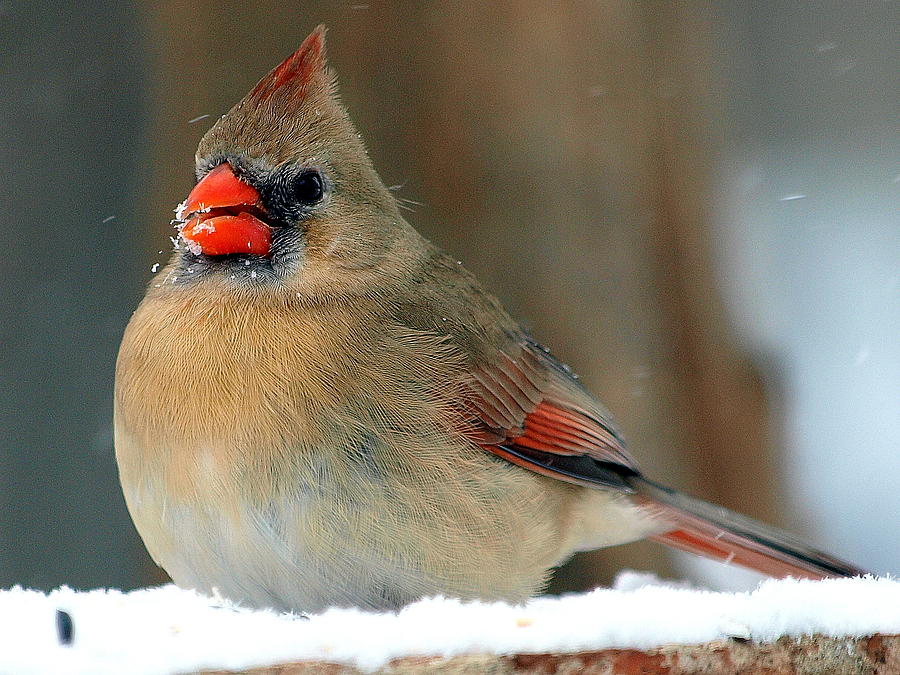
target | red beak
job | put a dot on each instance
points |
(221, 220)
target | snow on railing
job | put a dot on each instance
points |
(852, 622)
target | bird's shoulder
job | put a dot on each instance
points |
(515, 397)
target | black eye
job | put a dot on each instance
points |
(308, 188)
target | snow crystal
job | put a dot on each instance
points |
(166, 629)
(204, 226)
(179, 210)
(192, 246)
(844, 66)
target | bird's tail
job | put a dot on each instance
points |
(717, 533)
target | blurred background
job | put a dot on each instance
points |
(694, 203)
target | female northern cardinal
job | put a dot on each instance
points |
(315, 406)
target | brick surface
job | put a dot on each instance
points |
(815, 655)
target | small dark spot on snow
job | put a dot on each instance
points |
(65, 629)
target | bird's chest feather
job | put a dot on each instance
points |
(231, 425)
(288, 550)
(209, 392)
(253, 446)
(300, 461)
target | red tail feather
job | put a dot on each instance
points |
(720, 534)
(731, 552)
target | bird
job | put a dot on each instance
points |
(315, 406)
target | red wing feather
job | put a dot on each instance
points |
(531, 410)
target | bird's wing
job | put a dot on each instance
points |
(530, 409)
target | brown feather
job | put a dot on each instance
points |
(335, 429)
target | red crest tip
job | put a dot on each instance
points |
(299, 70)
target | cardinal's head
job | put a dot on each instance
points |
(286, 195)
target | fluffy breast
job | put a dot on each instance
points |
(297, 459)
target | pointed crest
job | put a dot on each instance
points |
(298, 72)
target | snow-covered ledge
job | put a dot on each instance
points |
(847, 625)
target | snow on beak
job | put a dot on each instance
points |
(220, 216)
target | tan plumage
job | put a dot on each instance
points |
(330, 423)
